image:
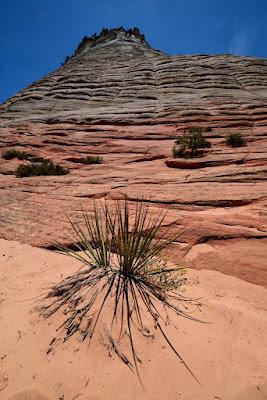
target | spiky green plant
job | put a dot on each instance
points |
(124, 272)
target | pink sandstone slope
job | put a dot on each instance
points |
(126, 102)
(118, 98)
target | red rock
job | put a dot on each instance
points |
(186, 164)
(128, 103)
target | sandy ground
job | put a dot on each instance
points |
(228, 355)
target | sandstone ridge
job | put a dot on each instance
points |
(118, 98)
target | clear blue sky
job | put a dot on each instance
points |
(37, 35)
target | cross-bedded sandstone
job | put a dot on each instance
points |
(118, 98)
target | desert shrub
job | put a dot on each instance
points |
(14, 153)
(123, 272)
(91, 160)
(46, 167)
(235, 139)
(192, 141)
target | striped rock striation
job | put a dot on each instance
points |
(118, 98)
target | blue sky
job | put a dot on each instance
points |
(37, 35)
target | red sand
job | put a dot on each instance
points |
(228, 355)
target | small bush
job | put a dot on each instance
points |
(91, 160)
(46, 167)
(192, 141)
(14, 153)
(235, 139)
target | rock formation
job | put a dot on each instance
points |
(118, 98)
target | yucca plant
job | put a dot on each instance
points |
(123, 271)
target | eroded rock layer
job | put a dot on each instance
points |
(122, 100)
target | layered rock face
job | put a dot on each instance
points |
(120, 99)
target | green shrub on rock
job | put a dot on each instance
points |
(235, 139)
(190, 143)
(91, 160)
(14, 153)
(44, 168)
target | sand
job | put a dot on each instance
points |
(228, 355)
